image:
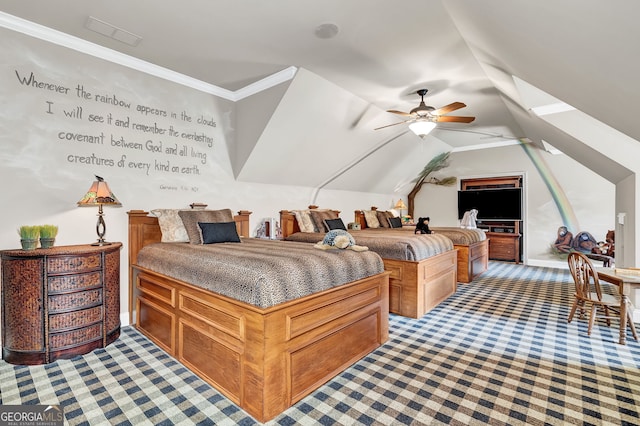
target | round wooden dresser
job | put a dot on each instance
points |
(59, 302)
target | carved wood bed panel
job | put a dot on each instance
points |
(473, 259)
(263, 359)
(415, 287)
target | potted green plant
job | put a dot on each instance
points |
(48, 235)
(29, 236)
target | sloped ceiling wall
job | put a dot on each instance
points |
(254, 113)
(576, 51)
(313, 133)
(322, 136)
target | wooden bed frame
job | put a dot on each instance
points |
(473, 259)
(264, 360)
(415, 287)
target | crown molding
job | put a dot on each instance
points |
(62, 39)
(266, 83)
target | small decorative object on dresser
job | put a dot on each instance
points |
(59, 302)
(29, 236)
(48, 235)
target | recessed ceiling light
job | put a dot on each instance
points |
(111, 31)
(326, 31)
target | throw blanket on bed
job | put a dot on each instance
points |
(263, 273)
(389, 243)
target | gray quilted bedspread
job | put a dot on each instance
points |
(390, 244)
(461, 235)
(457, 235)
(262, 273)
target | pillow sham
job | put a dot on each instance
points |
(334, 224)
(218, 232)
(393, 213)
(303, 217)
(318, 217)
(395, 222)
(171, 226)
(190, 218)
(382, 218)
(371, 217)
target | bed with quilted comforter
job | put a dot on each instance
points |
(262, 273)
(472, 245)
(422, 267)
(264, 322)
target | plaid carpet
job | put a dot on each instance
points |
(499, 352)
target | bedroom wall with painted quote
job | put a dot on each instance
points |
(67, 116)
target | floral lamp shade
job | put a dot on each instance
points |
(98, 195)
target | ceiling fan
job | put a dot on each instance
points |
(423, 118)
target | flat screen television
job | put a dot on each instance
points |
(492, 204)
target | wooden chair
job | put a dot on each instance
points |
(589, 295)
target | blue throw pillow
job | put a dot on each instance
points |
(221, 232)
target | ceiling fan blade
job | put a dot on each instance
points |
(448, 108)
(454, 119)
(394, 124)
(393, 111)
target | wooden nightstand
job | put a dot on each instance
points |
(59, 302)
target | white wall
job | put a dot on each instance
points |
(591, 197)
(41, 179)
(626, 221)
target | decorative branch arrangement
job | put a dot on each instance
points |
(438, 162)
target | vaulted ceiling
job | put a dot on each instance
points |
(316, 128)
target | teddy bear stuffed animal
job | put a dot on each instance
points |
(422, 227)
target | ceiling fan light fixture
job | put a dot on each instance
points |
(423, 118)
(422, 128)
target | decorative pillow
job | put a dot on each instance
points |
(304, 220)
(382, 218)
(371, 217)
(395, 222)
(190, 218)
(334, 224)
(221, 232)
(318, 217)
(393, 213)
(171, 226)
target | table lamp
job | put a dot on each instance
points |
(400, 205)
(99, 194)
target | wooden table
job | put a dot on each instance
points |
(627, 285)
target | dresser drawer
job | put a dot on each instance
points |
(62, 283)
(76, 264)
(61, 303)
(505, 254)
(75, 319)
(75, 337)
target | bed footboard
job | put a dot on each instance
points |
(473, 260)
(264, 360)
(418, 287)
